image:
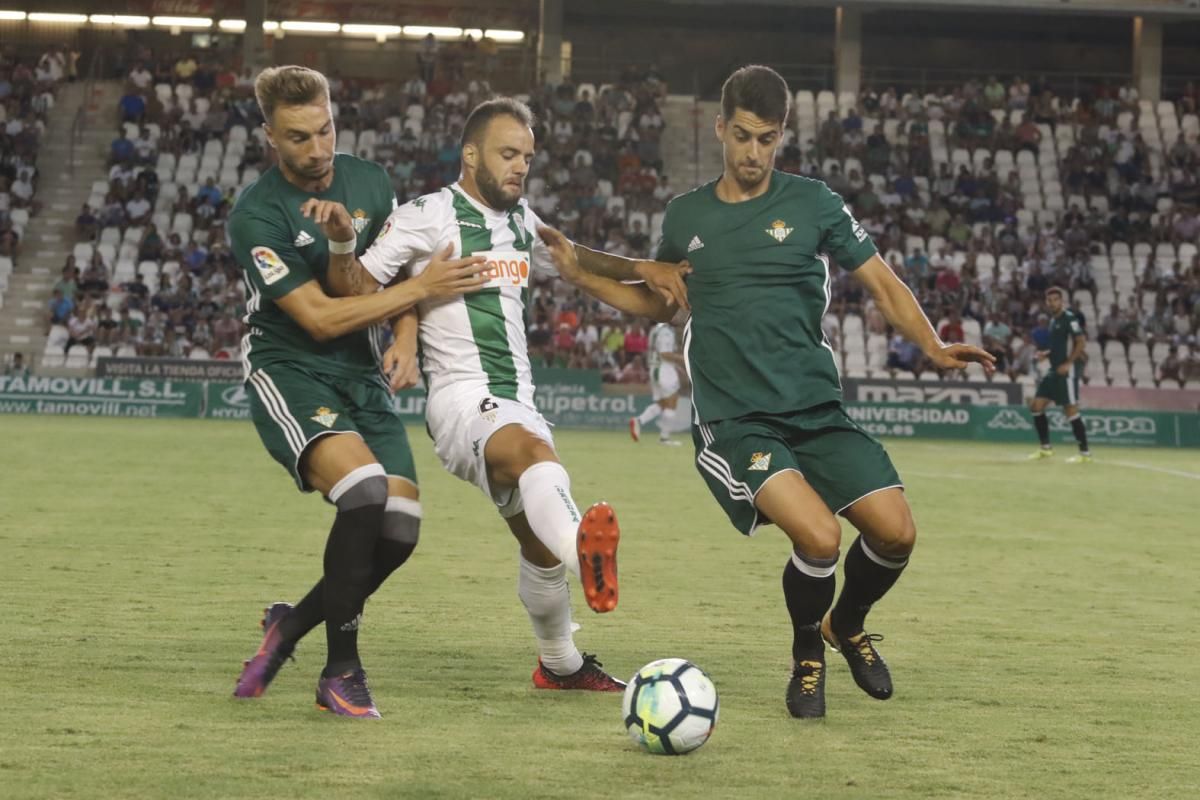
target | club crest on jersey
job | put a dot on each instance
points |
(506, 268)
(760, 462)
(487, 409)
(270, 266)
(325, 416)
(359, 220)
(779, 230)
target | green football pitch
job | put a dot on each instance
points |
(1042, 642)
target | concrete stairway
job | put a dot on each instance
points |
(689, 131)
(49, 237)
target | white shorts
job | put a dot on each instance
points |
(665, 382)
(461, 424)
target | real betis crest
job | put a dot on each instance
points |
(779, 230)
(360, 220)
(760, 462)
(325, 416)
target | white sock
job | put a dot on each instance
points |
(652, 411)
(666, 425)
(546, 494)
(543, 591)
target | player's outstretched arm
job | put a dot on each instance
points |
(638, 299)
(663, 278)
(325, 317)
(902, 310)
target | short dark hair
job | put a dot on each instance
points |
(760, 90)
(485, 112)
(1058, 290)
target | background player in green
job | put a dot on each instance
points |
(318, 400)
(1061, 384)
(773, 442)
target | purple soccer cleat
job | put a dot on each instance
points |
(347, 695)
(260, 670)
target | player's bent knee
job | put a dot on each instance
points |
(817, 540)
(512, 450)
(897, 539)
(402, 521)
(402, 487)
(361, 487)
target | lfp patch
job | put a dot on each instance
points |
(270, 265)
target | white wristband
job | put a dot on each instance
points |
(343, 248)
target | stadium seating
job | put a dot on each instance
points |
(944, 183)
(1016, 184)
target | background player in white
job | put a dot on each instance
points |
(481, 413)
(664, 384)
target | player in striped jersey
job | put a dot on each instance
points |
(481, 413)
(664, 385)
(318, 400)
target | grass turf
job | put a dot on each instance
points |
(1040, 641)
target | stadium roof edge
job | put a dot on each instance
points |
(1189, 9)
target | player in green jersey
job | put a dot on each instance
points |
(318, 399)
(773, 441)
(1061, 384)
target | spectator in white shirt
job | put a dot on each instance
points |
(141, 77)
(138, 208)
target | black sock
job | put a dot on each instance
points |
(349, 553)
(1080, 431)
(310, 611)
(1043, 428)
(808, 597)
(866, 580)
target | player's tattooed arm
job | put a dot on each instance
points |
(638, 298)
(901, 309)
(665, 279)
(346, 276)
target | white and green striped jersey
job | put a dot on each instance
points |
(662, 340)
(475, 342)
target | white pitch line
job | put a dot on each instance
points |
(941, 475)
(1133, 465)
(958, 476)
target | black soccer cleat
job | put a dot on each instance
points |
(589, 678)
(806, 690)
(867, 667)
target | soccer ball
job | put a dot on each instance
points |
(670, 707)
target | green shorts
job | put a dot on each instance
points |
(840, 460)
(292, 407)
(1063, 390)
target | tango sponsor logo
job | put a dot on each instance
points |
(506, 268)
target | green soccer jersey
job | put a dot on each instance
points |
(1063, 330)
(759, 286)
(278, 250)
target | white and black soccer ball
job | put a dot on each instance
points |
(670, 707)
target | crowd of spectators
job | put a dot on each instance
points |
(1036, 191)
(28, 91)
(152, 273)
(979, 198)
